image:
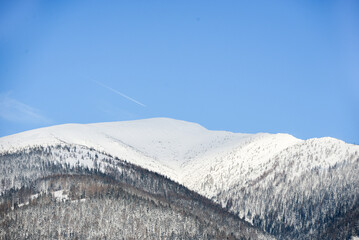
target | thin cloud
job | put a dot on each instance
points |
(120, 93)
(16, 111)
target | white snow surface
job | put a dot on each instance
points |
(60, 195)
(183, 151)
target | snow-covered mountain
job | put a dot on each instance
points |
(289, 187)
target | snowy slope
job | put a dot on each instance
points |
(240, 163)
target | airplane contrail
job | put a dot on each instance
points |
(120, 93)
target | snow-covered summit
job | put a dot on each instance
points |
(159, 144)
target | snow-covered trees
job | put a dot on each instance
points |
(302, 192)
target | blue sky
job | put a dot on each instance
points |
(241, 66)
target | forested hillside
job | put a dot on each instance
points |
(47, 194)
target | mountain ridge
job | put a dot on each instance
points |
(263, 178)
